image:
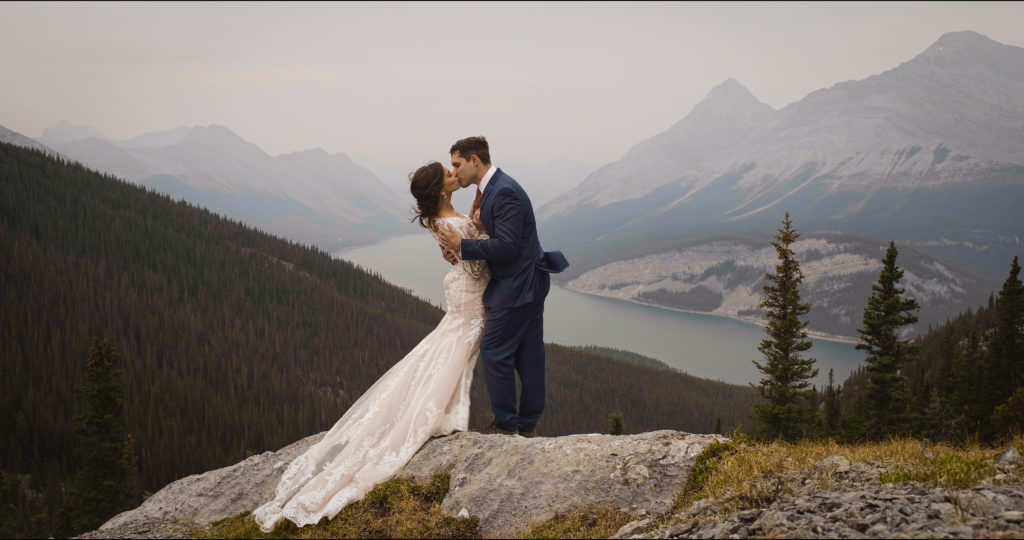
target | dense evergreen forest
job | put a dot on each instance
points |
(230, 341)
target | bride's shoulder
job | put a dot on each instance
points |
(440, 221)
(453, 217)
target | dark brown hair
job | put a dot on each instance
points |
(426, 184)
(473, 146)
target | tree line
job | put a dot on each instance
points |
(226, 341)
(962, 381)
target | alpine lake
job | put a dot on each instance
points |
(708, 346)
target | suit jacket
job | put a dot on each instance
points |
(519, 266)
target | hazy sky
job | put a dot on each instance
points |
(394, 84)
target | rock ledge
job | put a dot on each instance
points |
(509, 483)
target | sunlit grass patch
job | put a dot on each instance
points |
(398, 508)
(949, 471)
(587, 523)
(752, 474)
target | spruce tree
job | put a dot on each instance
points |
(832, 410)
(886, 313)
(968, 401)
(1008, 339)
(104, 483)
(789, 407)
(616, 425)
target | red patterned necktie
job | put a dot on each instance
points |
(476, 201)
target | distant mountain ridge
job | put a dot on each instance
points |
(929, 154)
(312, 196)
(962, 93)
(15, 138)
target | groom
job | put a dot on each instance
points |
(513, 339)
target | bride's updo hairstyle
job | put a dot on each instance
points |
(425, 185)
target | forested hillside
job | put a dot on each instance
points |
(231, 340)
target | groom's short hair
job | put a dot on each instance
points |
(473, 146)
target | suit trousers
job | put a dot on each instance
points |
(513, 342)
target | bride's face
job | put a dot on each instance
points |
(451, 182)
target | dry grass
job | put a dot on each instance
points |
(588, 523)
(397, 508)
(752, 474)
(737, 474)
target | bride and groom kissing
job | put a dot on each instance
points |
(494, 292)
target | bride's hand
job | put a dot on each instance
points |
(479, 224)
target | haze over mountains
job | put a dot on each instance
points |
(312, 196)
(930, 154)
(13, 137)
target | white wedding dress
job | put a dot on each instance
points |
(424, 395)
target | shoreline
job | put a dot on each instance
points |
(752, 320)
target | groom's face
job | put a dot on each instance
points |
(466, 170)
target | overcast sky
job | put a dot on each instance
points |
(394, 84)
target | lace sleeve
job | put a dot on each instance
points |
(474, 268)
(432, 227)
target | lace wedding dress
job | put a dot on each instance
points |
(424, 395)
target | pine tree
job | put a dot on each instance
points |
(104, 483)
(788, 409)
(616, 425)
(887, 311)
(969, 405)
(1008, 339)
(832, 410)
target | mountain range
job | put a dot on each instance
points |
(313, 196)
(929, 154)
(15, 138)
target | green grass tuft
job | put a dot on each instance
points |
(950, 471)
(587, 523)
(704, 467)
(397, 508)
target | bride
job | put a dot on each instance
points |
(424, 395)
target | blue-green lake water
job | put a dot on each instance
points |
(704, 345)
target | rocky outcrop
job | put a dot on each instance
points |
(510, 483)
(840, 500)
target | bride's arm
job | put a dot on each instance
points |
(476, 232)
(448, 254)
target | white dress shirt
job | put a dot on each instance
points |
(487, 178)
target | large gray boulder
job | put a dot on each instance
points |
(509, 482)
(512, 483)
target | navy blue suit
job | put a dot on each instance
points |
(513, 339)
